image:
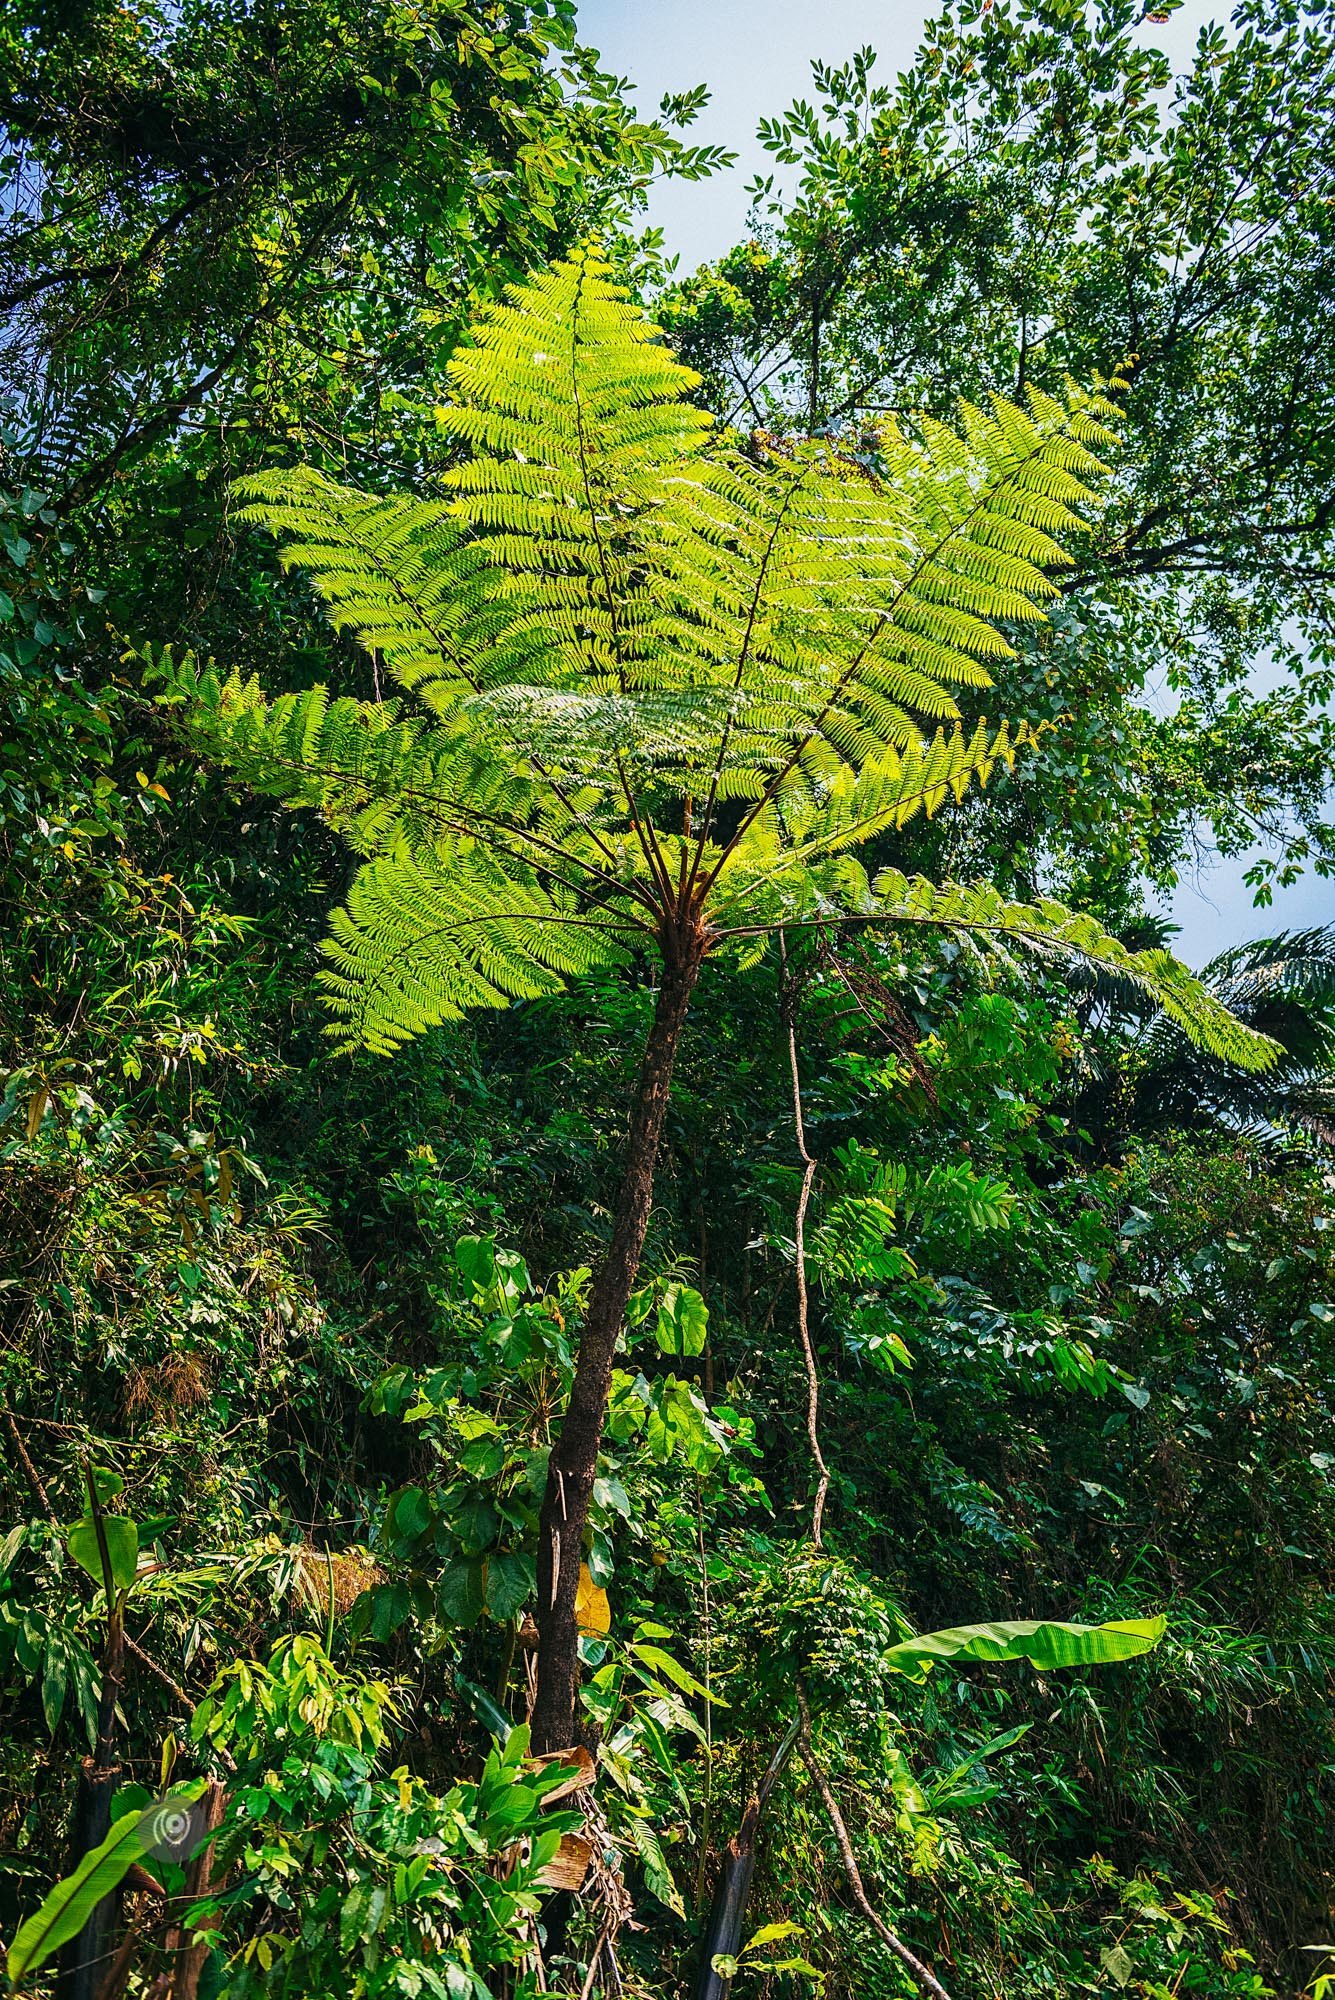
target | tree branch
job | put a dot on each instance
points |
(789, 990)
(924, 1975)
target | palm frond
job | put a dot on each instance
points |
(1283, 987)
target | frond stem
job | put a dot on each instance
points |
(984, 500)
(762, 573)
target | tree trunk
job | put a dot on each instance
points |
(85, 1958)
(574, 1459)
(727, 1915)
(190, 1957)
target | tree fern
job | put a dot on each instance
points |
(647, 668)
(656, 687)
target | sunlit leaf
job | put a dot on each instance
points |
(1045, 1643)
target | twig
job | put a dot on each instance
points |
(29, 1468)
(707, 1813)
(789, 1006)
(539, 1971)
(159, 1673)
(594, 1959)
(925, 1977)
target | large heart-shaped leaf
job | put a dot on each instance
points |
(682, 1323)
(1047, 1643)
(122, 1537)
(508, 1582)
(460, 1592)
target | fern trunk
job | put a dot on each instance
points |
(574, 1459)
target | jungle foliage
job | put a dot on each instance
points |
(373, 579)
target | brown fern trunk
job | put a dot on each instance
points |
(574, 1459)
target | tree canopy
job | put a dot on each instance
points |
(1038, 195)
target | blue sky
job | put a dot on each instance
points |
(755, 56)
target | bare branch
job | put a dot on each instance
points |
(924, 1975)
(789, 991)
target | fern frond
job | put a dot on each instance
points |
(418, 944)
(895, 786)
(1049, 929)
(573, 408)
(387, 569)
(611, 606)
(782, 852)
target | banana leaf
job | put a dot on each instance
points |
(1045, 1643)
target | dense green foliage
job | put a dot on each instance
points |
(1037, 195)
(289, 1331)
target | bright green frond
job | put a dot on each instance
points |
(572, 409)
(611, 607)
(565, 361)
(418, 944)
(980, 913)
(894, 786)
(844, 601)
(750, 612)
(779, 861)
(388, 570)
(374, 775)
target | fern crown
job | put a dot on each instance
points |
(656, 686)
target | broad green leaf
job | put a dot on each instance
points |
(408, 1516)
(484, 1457)
(10, 1547)
(682, 1324)
(130, 1799)
(474, 1520)
(951, 1791)
(476, 1258)
(486, 1709)
(459, 1594)
(1117, 1963)
(609, 1493)
(770, 1934)
(1046, 1643)
(657, 1875)
(66, 1909)
(389, 1604)
(122, 1537)
(663, 1663)
(55, 1675)
(509, 1580)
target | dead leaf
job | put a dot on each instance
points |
(580, 1765)
(593, 1613)
(37, 1104)
(569, 1865)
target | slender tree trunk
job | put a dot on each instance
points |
(84, 1960)
(86, 1957)
(574, 1459)
(790, 993)
(191, 1957)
